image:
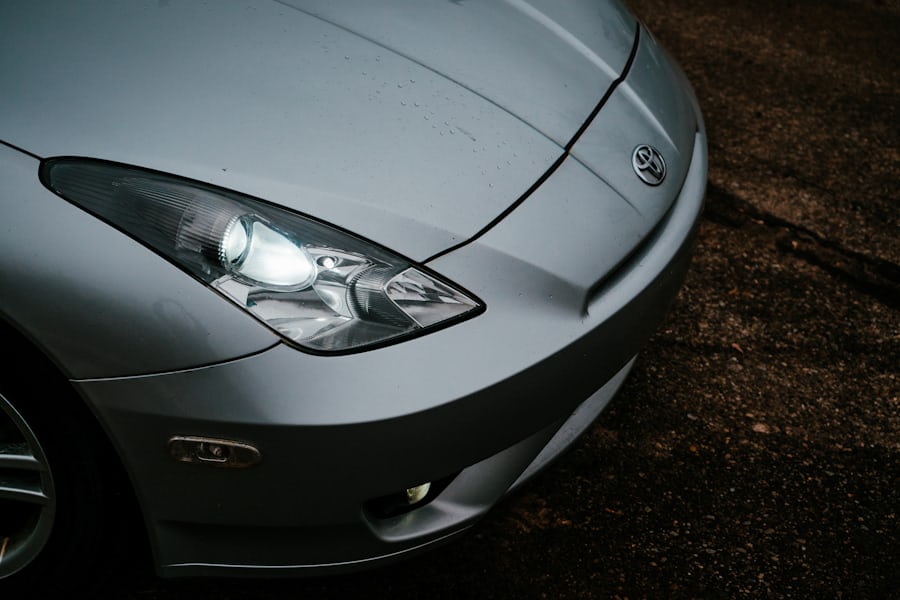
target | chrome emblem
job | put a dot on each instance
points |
(649, 165)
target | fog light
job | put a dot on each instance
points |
(417, 493)
(406, 500)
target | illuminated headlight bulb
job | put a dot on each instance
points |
(256, 252)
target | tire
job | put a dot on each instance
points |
(59, 509)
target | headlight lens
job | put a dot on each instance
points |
(319, 287)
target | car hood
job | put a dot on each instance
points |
(412, 123)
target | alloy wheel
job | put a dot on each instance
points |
(27, 495)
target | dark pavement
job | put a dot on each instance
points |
(755, 450)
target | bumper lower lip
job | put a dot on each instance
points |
(369, 424)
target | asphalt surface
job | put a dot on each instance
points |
(755, 450)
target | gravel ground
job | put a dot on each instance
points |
(755, 450)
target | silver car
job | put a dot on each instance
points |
(313, 285)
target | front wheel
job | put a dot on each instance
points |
(60, 508)
(27, 493)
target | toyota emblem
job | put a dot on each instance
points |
(649, 165)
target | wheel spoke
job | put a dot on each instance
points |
(23, 494)
(20, 479)
(20, 461)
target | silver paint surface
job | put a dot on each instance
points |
(416, 148)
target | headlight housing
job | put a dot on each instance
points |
(319, 287)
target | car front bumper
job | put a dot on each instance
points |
(488, 401)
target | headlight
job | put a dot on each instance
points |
(319, 287)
